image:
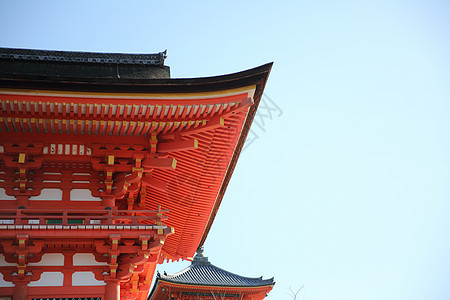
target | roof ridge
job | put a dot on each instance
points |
(246, 277)
(203, 272)
(83, 57)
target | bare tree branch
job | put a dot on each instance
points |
(293, 293)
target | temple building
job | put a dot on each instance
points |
(204, 281)
(109, 167)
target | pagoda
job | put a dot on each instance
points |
(109, 167)
(204, 281)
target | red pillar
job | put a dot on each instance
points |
(20, 291)
(112, 290)
(68, 267)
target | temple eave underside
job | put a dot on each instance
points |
(111, 183)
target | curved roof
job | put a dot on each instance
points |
(202, 272)
(222, 108)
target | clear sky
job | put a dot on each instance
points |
(346, 189)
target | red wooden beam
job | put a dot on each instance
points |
(154, 183)
(159, 163)
(165, 147)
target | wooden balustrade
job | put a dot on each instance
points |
(81, 216)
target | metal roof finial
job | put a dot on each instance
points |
(199, 258)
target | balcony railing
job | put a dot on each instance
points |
(81, 216)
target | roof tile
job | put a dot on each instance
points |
(202, 272)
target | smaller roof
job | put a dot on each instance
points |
(202, 272)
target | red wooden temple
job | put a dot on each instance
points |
(109, 167)
(204, 281)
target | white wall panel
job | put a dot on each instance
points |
(49, 279)
(83, 195)
(49, 194)
(3, 262)
(86, 259)
(3, 195)
(85, 278)
(50, 259)
(4, 283)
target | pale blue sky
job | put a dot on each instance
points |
(347, 192)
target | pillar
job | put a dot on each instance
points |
(68, 267)
(112, 290)
(20, 291)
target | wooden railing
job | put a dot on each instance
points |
(81, 216)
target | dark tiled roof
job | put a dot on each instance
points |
(70, 65)
(202, 272)
(156, 59)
